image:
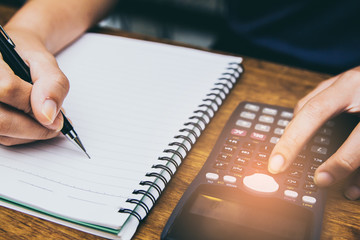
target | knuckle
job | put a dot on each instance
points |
(287, 146)
(46, 134)
(299, 105)
(346, 163)
(7, 87)
(63, 82)
(314, 108)
(5, 124)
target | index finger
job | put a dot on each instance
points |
(315, 112)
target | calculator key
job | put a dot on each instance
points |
(330, 123)
(258, 136)
(228, 149)
(313, 168)
(241, 161)
(266, 119)
(238, 132)
(237, 169)
(262, 127)
(248, 115)
(286, 114)
(325, 131)
(212, 176)
(232, 141)
(319, 150)
(291, 194)
(252, 107)
(243, 123)
(265, 148)
(283, 123)
(295, 173)
(317, 160)
(270, 111)
(259, 165)
(292, 182)
(274, 140)
(301, 157)
(249, 145)
(310, 186)
(260, 182)
(308, 199)
(229, 179)
(298, 165)
(262, 156)
(224, 157)
(279, 131)
(310, 177)
(245, 153)
(220, 165)
(322, 140)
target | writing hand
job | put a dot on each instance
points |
(331, 97)
(31, 112)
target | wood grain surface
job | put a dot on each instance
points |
(263, 82)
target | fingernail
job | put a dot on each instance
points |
(352, 193)
(276, 163)
(49, 110)
(323, 179)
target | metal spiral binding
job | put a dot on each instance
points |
(208, 108)
(157, 175)
(145, 193)
(180, 145)
(140, 203)
(169, 160)
(131, 212)
(164, 167)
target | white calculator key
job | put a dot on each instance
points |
(260, 182)
(274, 140)
(322, 140)
(229, 179)
(279, 131)
(286, 114)
(319, 150)
(330, 123)
(308, 199)
(283, 123)
(291, 194)
(243, 123)
(266, 119)
(248, 115)
(252, 107)
(262, 127)
(212, 176)
(270, 111)
(325, 131)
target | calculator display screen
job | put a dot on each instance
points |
(249, 217)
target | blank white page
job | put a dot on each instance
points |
(128, 99)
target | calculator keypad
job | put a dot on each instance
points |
(243, 158)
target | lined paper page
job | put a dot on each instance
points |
(128, 99)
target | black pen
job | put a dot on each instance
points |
(12, 58)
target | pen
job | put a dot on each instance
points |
(12, 58)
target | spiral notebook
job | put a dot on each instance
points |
(139, 107)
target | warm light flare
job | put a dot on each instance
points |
(261, 183)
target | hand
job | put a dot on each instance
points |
(331, 97)
(31, 112)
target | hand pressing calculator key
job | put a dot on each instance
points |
(235, 197)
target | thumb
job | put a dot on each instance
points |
(49, 91)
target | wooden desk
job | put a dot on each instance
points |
(263, 82)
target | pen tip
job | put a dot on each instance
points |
(87, 155)
(79, 143)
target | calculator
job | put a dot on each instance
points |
(235, 197)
